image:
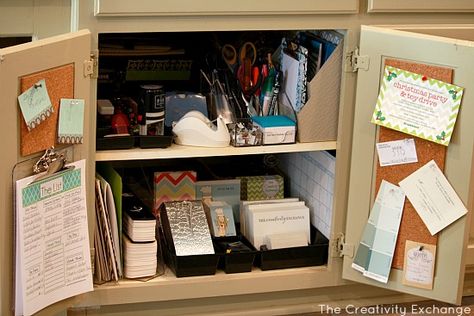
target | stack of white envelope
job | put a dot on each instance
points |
(139, 258)
(275, 224)
(139, 240)
(139, 223)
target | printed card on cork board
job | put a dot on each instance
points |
(412, 227)
(60, 84)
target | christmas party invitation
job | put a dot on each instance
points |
(417, 105)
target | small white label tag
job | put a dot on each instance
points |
(418, 269)
(397, 152)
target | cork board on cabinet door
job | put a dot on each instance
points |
(412, 227)
(60, 84)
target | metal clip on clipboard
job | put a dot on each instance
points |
(51, 162)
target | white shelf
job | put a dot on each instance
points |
(178, 151)
(168, 287)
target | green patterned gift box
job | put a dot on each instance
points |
(261, 187)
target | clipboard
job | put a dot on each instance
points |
(51, 238)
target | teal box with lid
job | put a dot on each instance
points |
(276, 129)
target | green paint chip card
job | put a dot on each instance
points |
(377, 245)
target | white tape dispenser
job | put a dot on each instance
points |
(195, 129)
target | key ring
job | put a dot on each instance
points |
(47, 159)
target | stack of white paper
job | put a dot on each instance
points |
(138, 222)
(271, 221)
(139, 231)
(139, 258)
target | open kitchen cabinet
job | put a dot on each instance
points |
(256, 282)
(348, 219)
(168, 287)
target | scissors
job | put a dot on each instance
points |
(241, 64)
(247, 51)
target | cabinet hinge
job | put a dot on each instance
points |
(91, 66)
(341, 248)
(355, 61)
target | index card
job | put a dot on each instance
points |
(433, 198)
(397, 152)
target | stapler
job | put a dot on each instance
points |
(195, 129)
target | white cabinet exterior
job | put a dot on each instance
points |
(420, 6)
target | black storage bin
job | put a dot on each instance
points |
(185, 266)
(114, 142)
(234, 262)
(159, 141)
(129, 141)
(315, 254)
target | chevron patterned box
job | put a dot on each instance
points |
(261, 187)
(173, 186)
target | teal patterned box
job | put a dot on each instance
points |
(261, 187)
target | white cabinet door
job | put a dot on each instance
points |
(421, 6)
(16, 62)
(193, 7)
(378, 44)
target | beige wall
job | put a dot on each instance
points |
(36, 18)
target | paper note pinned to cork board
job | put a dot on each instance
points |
(415, 104)
(433, 197)
(377, 245)
(35, 104)
(71, 121)
(419, 265)
(60, 83)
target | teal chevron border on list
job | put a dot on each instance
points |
(437, 103)
(32, 193)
